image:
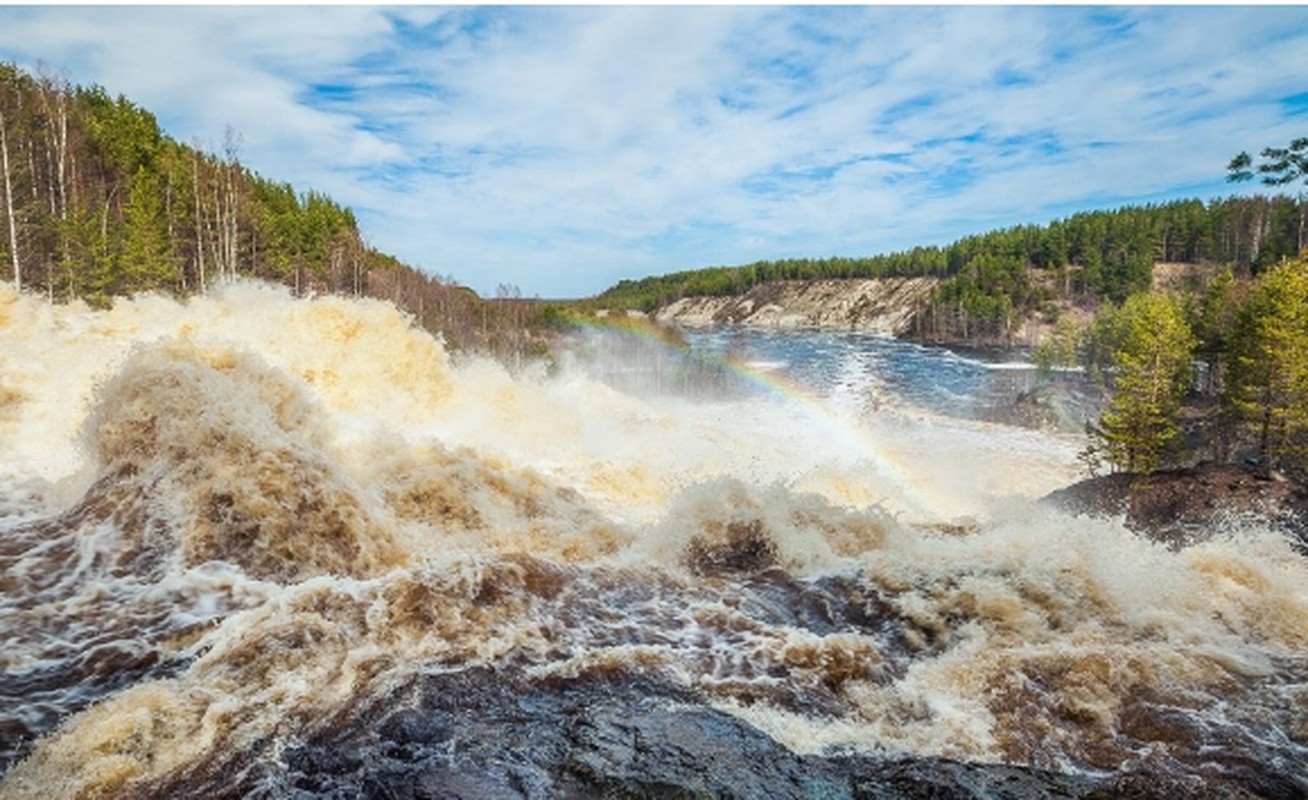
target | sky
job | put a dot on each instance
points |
(558, 149)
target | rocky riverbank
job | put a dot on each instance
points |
(497, 733)
(893, 306)
(1181, 506)
(880, 305)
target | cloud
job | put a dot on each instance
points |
(561, 149)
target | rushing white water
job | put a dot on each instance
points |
(225, 521)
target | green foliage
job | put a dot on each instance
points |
(989, 280)
(147, 261)
(990, 291)
(1280, 165)
(1215, 317)
(1100, 343)
(1212, 312)
(108, 205)
(105, 204)
(1061, 349)
(1150, 344)
(126, 138)
(649, 293)
(302, 233)
(1268, 380)
(1117, 249)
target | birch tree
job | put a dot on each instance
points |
(9, 205)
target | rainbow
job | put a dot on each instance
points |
(887, 464)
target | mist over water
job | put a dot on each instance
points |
(230, 524)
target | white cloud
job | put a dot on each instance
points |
(563, 148)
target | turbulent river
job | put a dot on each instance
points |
(234, 528)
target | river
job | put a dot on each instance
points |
(242, 525)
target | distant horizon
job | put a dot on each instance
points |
(563, 149)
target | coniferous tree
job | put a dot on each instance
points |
(147, 258)
(1213, 321)
(1268, 378)
(1059, 350)
(1151, 344)
(1279, 166)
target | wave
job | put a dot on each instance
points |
(246, 521)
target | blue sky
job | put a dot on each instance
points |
(560, 149)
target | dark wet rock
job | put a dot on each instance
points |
(493, 734)
(739, 547)
(945, 780)
(825, 605)
(411, 725)
(1183, 505)
(1154, 787)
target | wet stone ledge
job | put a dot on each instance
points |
(484, 734)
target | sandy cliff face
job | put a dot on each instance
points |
(884, 305)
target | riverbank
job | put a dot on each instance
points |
(1184, 506)
(497, 733)
(897, 307)
(877, 305)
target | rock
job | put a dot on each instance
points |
(1182, 506)
(493, 734)
(883, 305)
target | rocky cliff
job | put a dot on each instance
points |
(882, 305)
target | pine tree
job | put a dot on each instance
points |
(147, 258)
(1280, 165)
(1150, 350)
(1268, 380)
(1059, 350)
(1213, 320)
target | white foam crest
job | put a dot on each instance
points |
(373, 372)
(311, 501)
(1068, 613)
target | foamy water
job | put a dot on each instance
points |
(229, 523)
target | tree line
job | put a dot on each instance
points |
(97, 202)
(100, 203)
(989, 281)
(1213, 369)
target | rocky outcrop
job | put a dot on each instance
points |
(494, 733)
(880, 305)
(1181, 506)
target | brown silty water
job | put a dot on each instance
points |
(232, 523)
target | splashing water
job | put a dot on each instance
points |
(230, 523)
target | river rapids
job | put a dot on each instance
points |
(241, 527)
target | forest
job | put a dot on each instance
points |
(992, 280)
(97, 202)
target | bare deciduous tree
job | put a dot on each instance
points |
(9, 205)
